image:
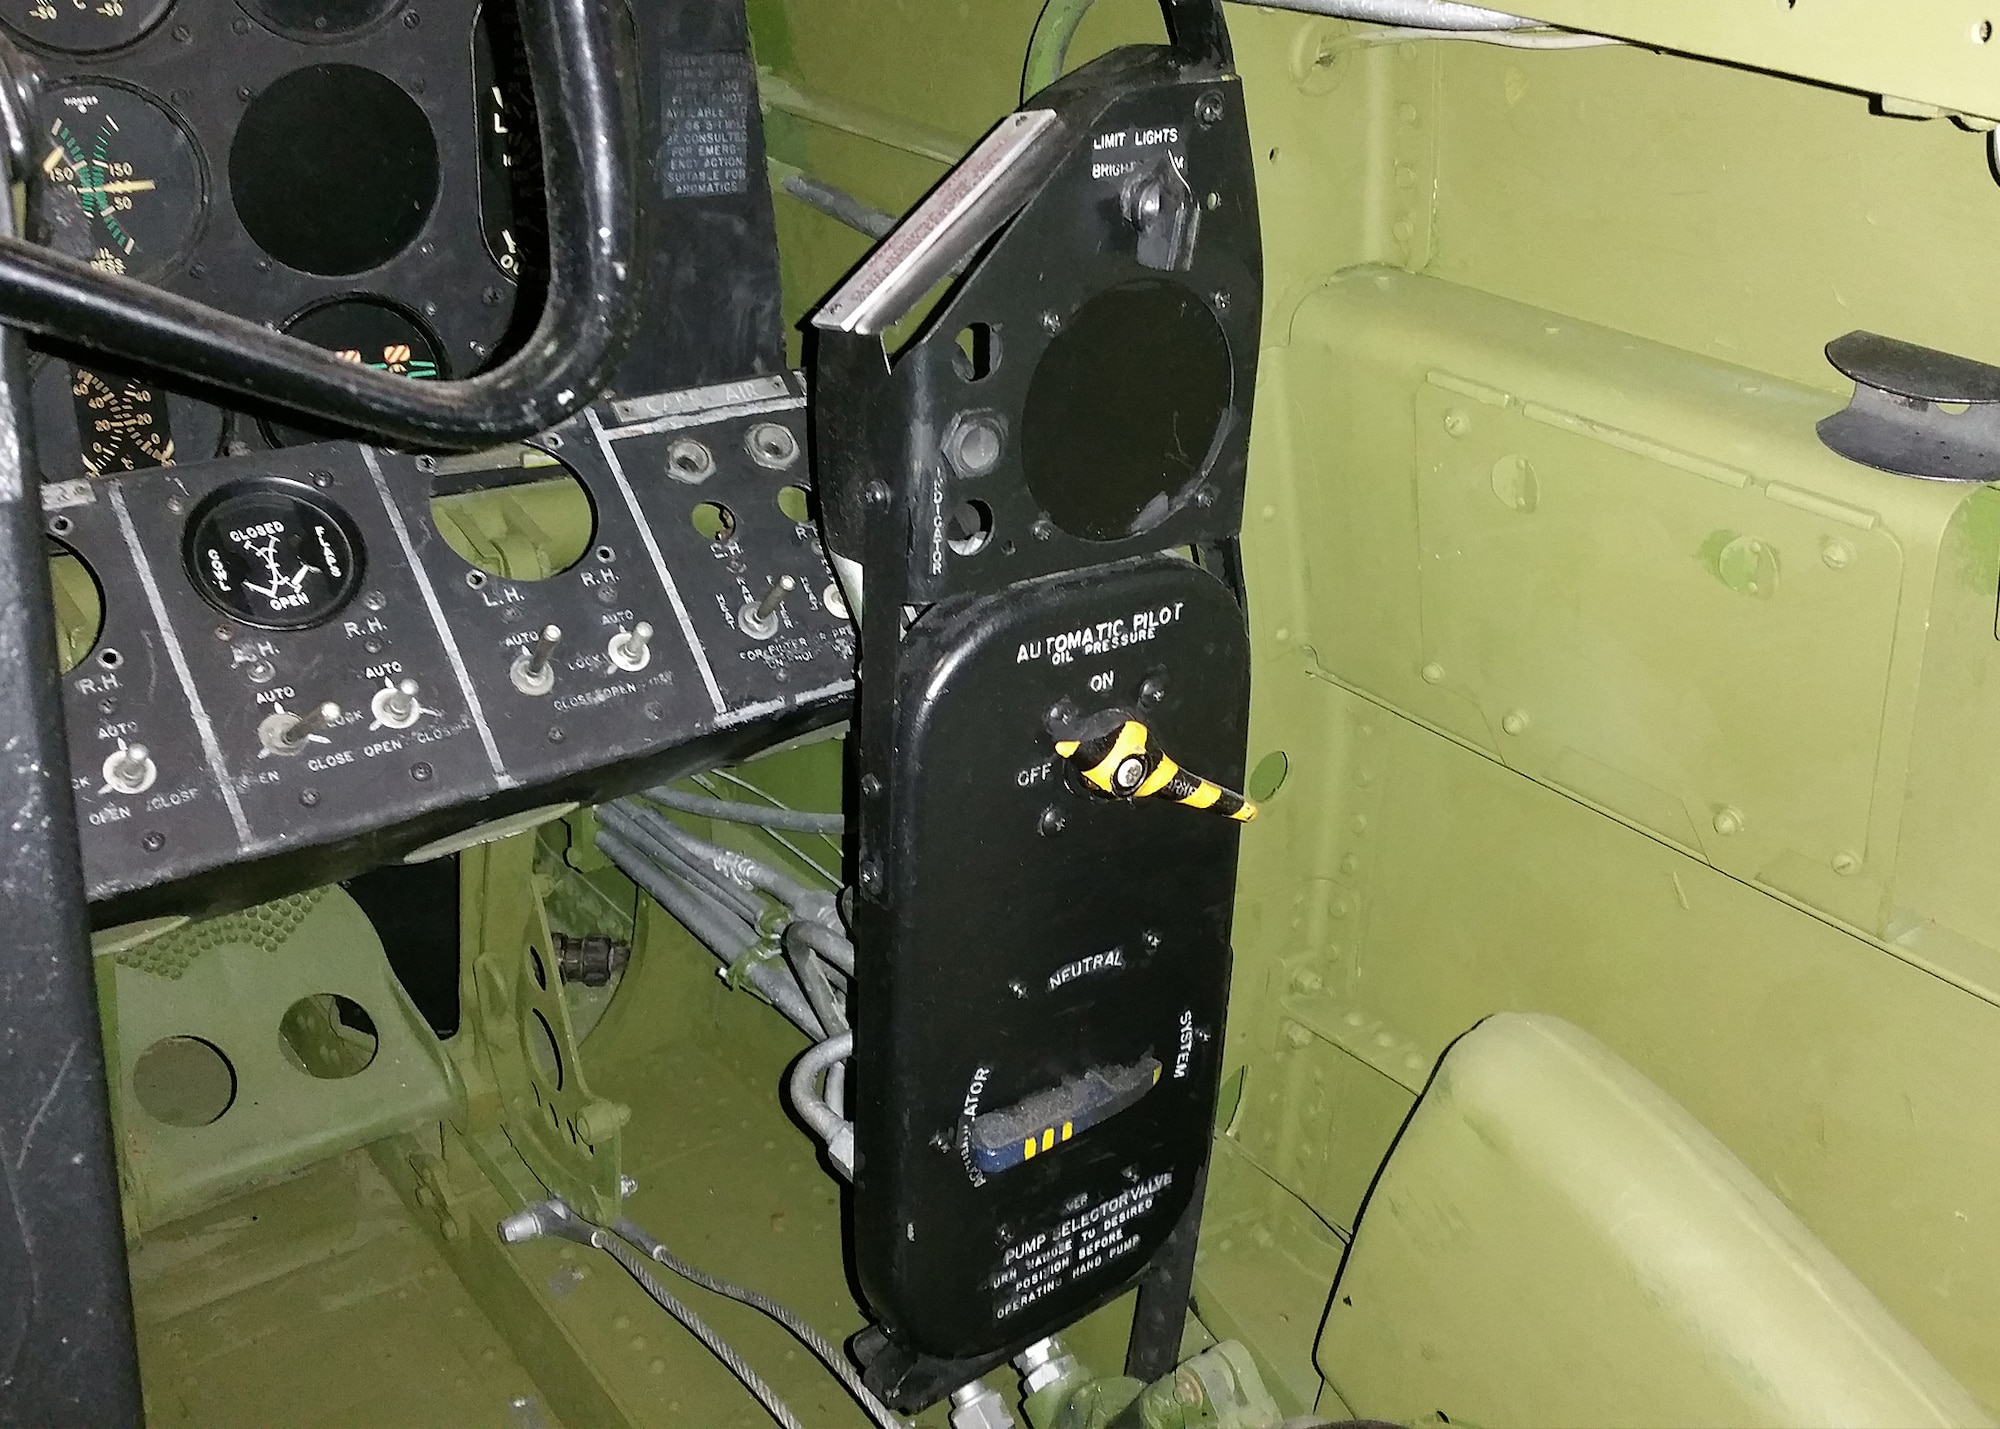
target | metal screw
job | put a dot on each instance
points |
(1051, 322)
(175, 504)
(321, 479)
(1514, 721)
(107, 706)
(652, 711)
(876, 494)
(490, 297)
(1728, 822)
(309, 797)
(1151, 939)
(222, 632)
(243, 92)
(556, 736)
(870, 785)
(374, 600)
(411, 20)
(1129, 773)
(1846, 864)
(1052, 822)
(239, 26)
(420, 772)
(1433, 673)
(372, 646)
(1208, 108)
(1205, 497)
(183, 34)
(871, 877)
(153, 842)
(1152, 691)
(1043, 529)
(261, 671)
(1221, 300)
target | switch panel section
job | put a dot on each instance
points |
(317, 659)
(1041, 1007)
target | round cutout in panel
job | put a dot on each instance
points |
(80, 27)
(713, 522)
(519, 522)
(1123, 410)
(1269, 776)
(312, 20)
(328, 1036)
(184, 1081)
(79, 606)
(371, 331)
(121, 421)
(124, 171)
(334, 169)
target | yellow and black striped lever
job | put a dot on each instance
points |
(1124, 763)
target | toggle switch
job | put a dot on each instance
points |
(396, 707)
(1004, 1139)
(129, 769)
(533, 673)
(759, 619)
(283, 732)
(630, 649)
(1114, 756)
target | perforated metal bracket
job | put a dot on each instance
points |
(1916, 411)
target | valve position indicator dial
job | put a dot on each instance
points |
(272, 555)
(82, 26)
(127, 170)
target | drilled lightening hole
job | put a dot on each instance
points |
(977, 354)
(328, 1036)
(184, 1081)
(715, 522)
(969, 527)
(548, 1057)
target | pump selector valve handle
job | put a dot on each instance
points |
(1123, 763)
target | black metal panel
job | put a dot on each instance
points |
(1077, 405)
(1026, 933)
(708, 237)
(223, 820)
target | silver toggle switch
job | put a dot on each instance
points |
(533, 672)
(395, 706)
(759, 619)
(283, 732)
(630, 649)
(129, 769)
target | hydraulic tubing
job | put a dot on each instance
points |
(812, 1110)
(638, 826)
(712, 925)
(1410, 14)
(795, 820)
(583, 77)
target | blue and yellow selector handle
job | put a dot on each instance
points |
(1122, 762)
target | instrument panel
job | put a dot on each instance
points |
(318, 658)
(363, 174)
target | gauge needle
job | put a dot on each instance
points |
(119, 186)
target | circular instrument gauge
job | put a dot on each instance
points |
(81, 27)
(127, 173)
(321, 19)
(122, 422)
(272, 554)
(510, 151)
(333, 169)
(370, 331)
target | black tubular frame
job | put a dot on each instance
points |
(580, 64)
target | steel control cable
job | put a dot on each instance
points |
(801, 1330)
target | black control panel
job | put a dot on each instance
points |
(321, 658)
(1043, 493)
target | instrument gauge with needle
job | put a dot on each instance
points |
(126, 171)
(273, 554)
(510, 155)
(82, 27)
